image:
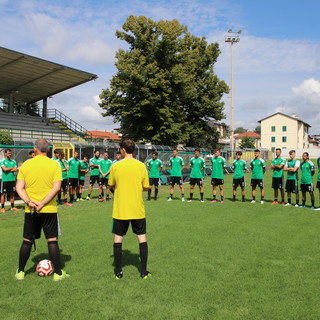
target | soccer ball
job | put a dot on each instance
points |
(44, 268)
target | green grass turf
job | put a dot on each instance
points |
(209, 261)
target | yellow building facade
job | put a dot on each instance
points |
(283, 131)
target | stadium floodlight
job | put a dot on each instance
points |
(232, 37)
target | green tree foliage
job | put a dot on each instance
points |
(247, 143)
(165, 89)
(257, 130)
(240, 130)
(20, 107)
(5, 137)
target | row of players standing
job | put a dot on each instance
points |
(258, 167)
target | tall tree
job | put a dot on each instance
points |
(240, 130)
(21, 107)
(257, 130)
(165, 89)
(247, 143)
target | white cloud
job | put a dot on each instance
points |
(309, 90)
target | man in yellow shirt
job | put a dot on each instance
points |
(38, 182)
(129, 178)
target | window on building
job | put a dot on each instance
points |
(284, 128)
(273, 128)
(273, 139)
(273, 149)
(284, 139)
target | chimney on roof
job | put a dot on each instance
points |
(293, 115)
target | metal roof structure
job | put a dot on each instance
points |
(31, 79)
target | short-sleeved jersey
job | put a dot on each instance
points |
(293, 164)
(129, 176)
(318, 164)
(257, 167)
(176, 164)
(63, 166)
(218, 165)
(197, 166)
(83, 166)
(105, 166)
(95, 171)
(307, 170)
(7, 175)
(39, 174)
(277, 172)
(154, 168)
(74, 165)
(55, 159)
(238, 168)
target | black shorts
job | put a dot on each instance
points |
(8, 187)
(306, 187)
(176, 180)
(120, 227)
(103, 181)
(277, 183)
(33, 223)
(0, 184)
(81, 182)
(292, 186)
(217, 182)
(318, 185)
(154, 182)
(64, 184)
(239, 182)
(257, 182)
(73, 182)
(196, 181)
(94, 179)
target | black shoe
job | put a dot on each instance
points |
(233, 200)
(148, 199)
(146, 274)
(118, 275)
(155, 198)
(243, 200)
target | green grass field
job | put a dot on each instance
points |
(209, 261)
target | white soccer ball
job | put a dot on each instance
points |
(44, 268)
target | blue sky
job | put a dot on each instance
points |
(276, 63)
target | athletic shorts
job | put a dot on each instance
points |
(103, 181)
(81, 182)
(120, 227)
(318, 185)
(154, 182)
(33, 223)
(257, 182)
(64, 184)
(306, 187)
(176, 180)
(292, 186)
(277, 183)
(217, 182)
(0, 185)
(94, 179)
(196, 181)
(73, 182)
(239, 182)
(8, 187)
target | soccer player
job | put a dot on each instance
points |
(318, 181)
(292, 166)
(217, 175)
(177, 164)
(258, 167)
(240, 167)
(73, 175)
(64, 185)
(306, 185)
(118, 157)
(104, 169)
(154, 166)
(9, 167)
(84, 168)
(39, 180)
(277, 165)
(197, 165)
(56, 154)
(129, 177)
(94, 175)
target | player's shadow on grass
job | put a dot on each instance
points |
(129, 259)
(64, 258)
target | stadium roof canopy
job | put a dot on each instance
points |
(30, 79)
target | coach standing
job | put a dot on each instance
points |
(129, 178)
(38, 182)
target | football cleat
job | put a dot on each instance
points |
(262, 202)
(221, 201)
(19, 275)
(213, 201)
(14, 209)
(68, 204)
(118, 275)
(170, 199)
(145, 275)
(182, 199)
(302, 206)
(296, 206)
(59, 277)
(275, 202)
(253, 201)
(88, 198)
(312, 207)
(189, 200)
(287, 204)
(3, 210)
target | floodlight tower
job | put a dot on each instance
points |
(232, 37)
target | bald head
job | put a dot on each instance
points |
(41, 146)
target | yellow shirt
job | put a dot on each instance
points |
(129, 176)
(38, 175)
